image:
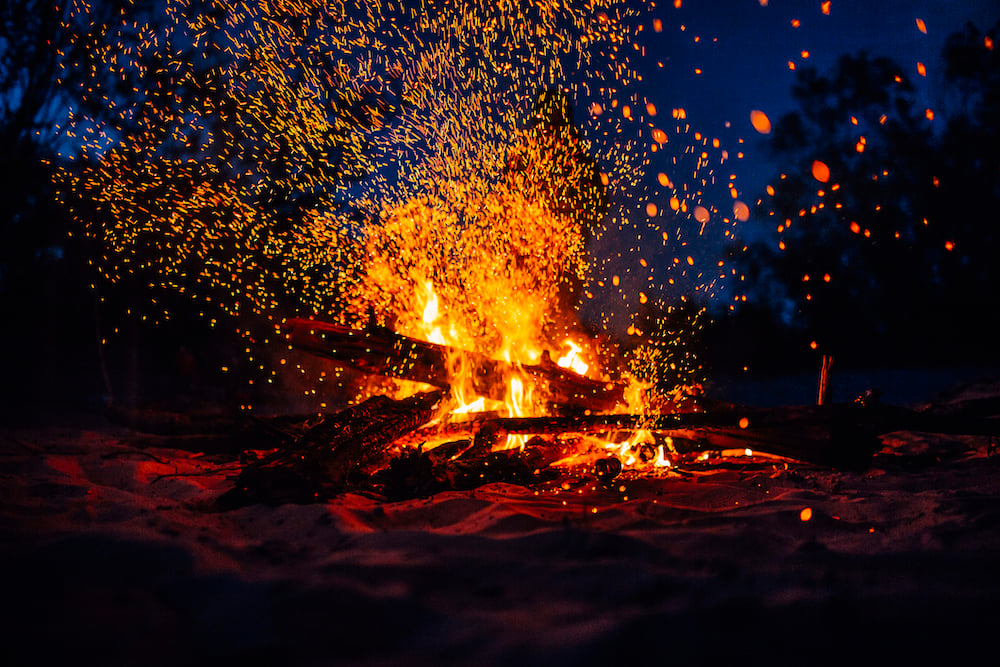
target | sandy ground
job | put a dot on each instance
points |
(110, 557)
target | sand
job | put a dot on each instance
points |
(111, 556)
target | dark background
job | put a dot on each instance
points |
(908, 295)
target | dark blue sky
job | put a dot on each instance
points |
(744, 50)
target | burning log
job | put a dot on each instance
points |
(839, 436)
(319, 463)
(381, 351)
(461, 465)
(323, 460)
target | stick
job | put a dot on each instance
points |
(824, 379)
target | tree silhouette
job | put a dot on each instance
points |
(214, 140)
(39, 43)
(968, 170)
(872, 210)
(234, 147)
(44, 64)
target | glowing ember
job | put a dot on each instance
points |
(760, 121)
(741, 211)
(820, 171)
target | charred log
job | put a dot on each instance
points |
(460, 467)
(349, 450)
(206, 432)
(380, 351)
(321, 462)
(839, 436)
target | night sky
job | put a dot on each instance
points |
(721, 59)
(743, 50)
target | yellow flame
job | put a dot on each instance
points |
(430, 316)
(572, 359)
(661, 460)
(515, 408)
(626, 450)
(431, 308)
(478, 405)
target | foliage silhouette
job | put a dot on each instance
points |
(888, 257)
(48, 338)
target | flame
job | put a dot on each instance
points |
(520, 345)
(475, 242)
(430, 316)
(516, 401)
(661, 459)
(478, 405)
(572, 359)
(431, 309)
(640, 450)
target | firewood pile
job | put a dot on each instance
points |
(398, 449)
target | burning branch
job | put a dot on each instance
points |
(840, 436)
(384, 446)
(380, 351)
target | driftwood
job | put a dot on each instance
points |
(158, 422)
(380, 351)
(211, 433)
(840, 436)
(350, 449)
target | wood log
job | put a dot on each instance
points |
(824, 380)
(839, 435)
(211, 433)
(415, 473)
(320, 463)
(380, 351)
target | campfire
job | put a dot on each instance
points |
(404, 193)
(540, 424)
(496, 420)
